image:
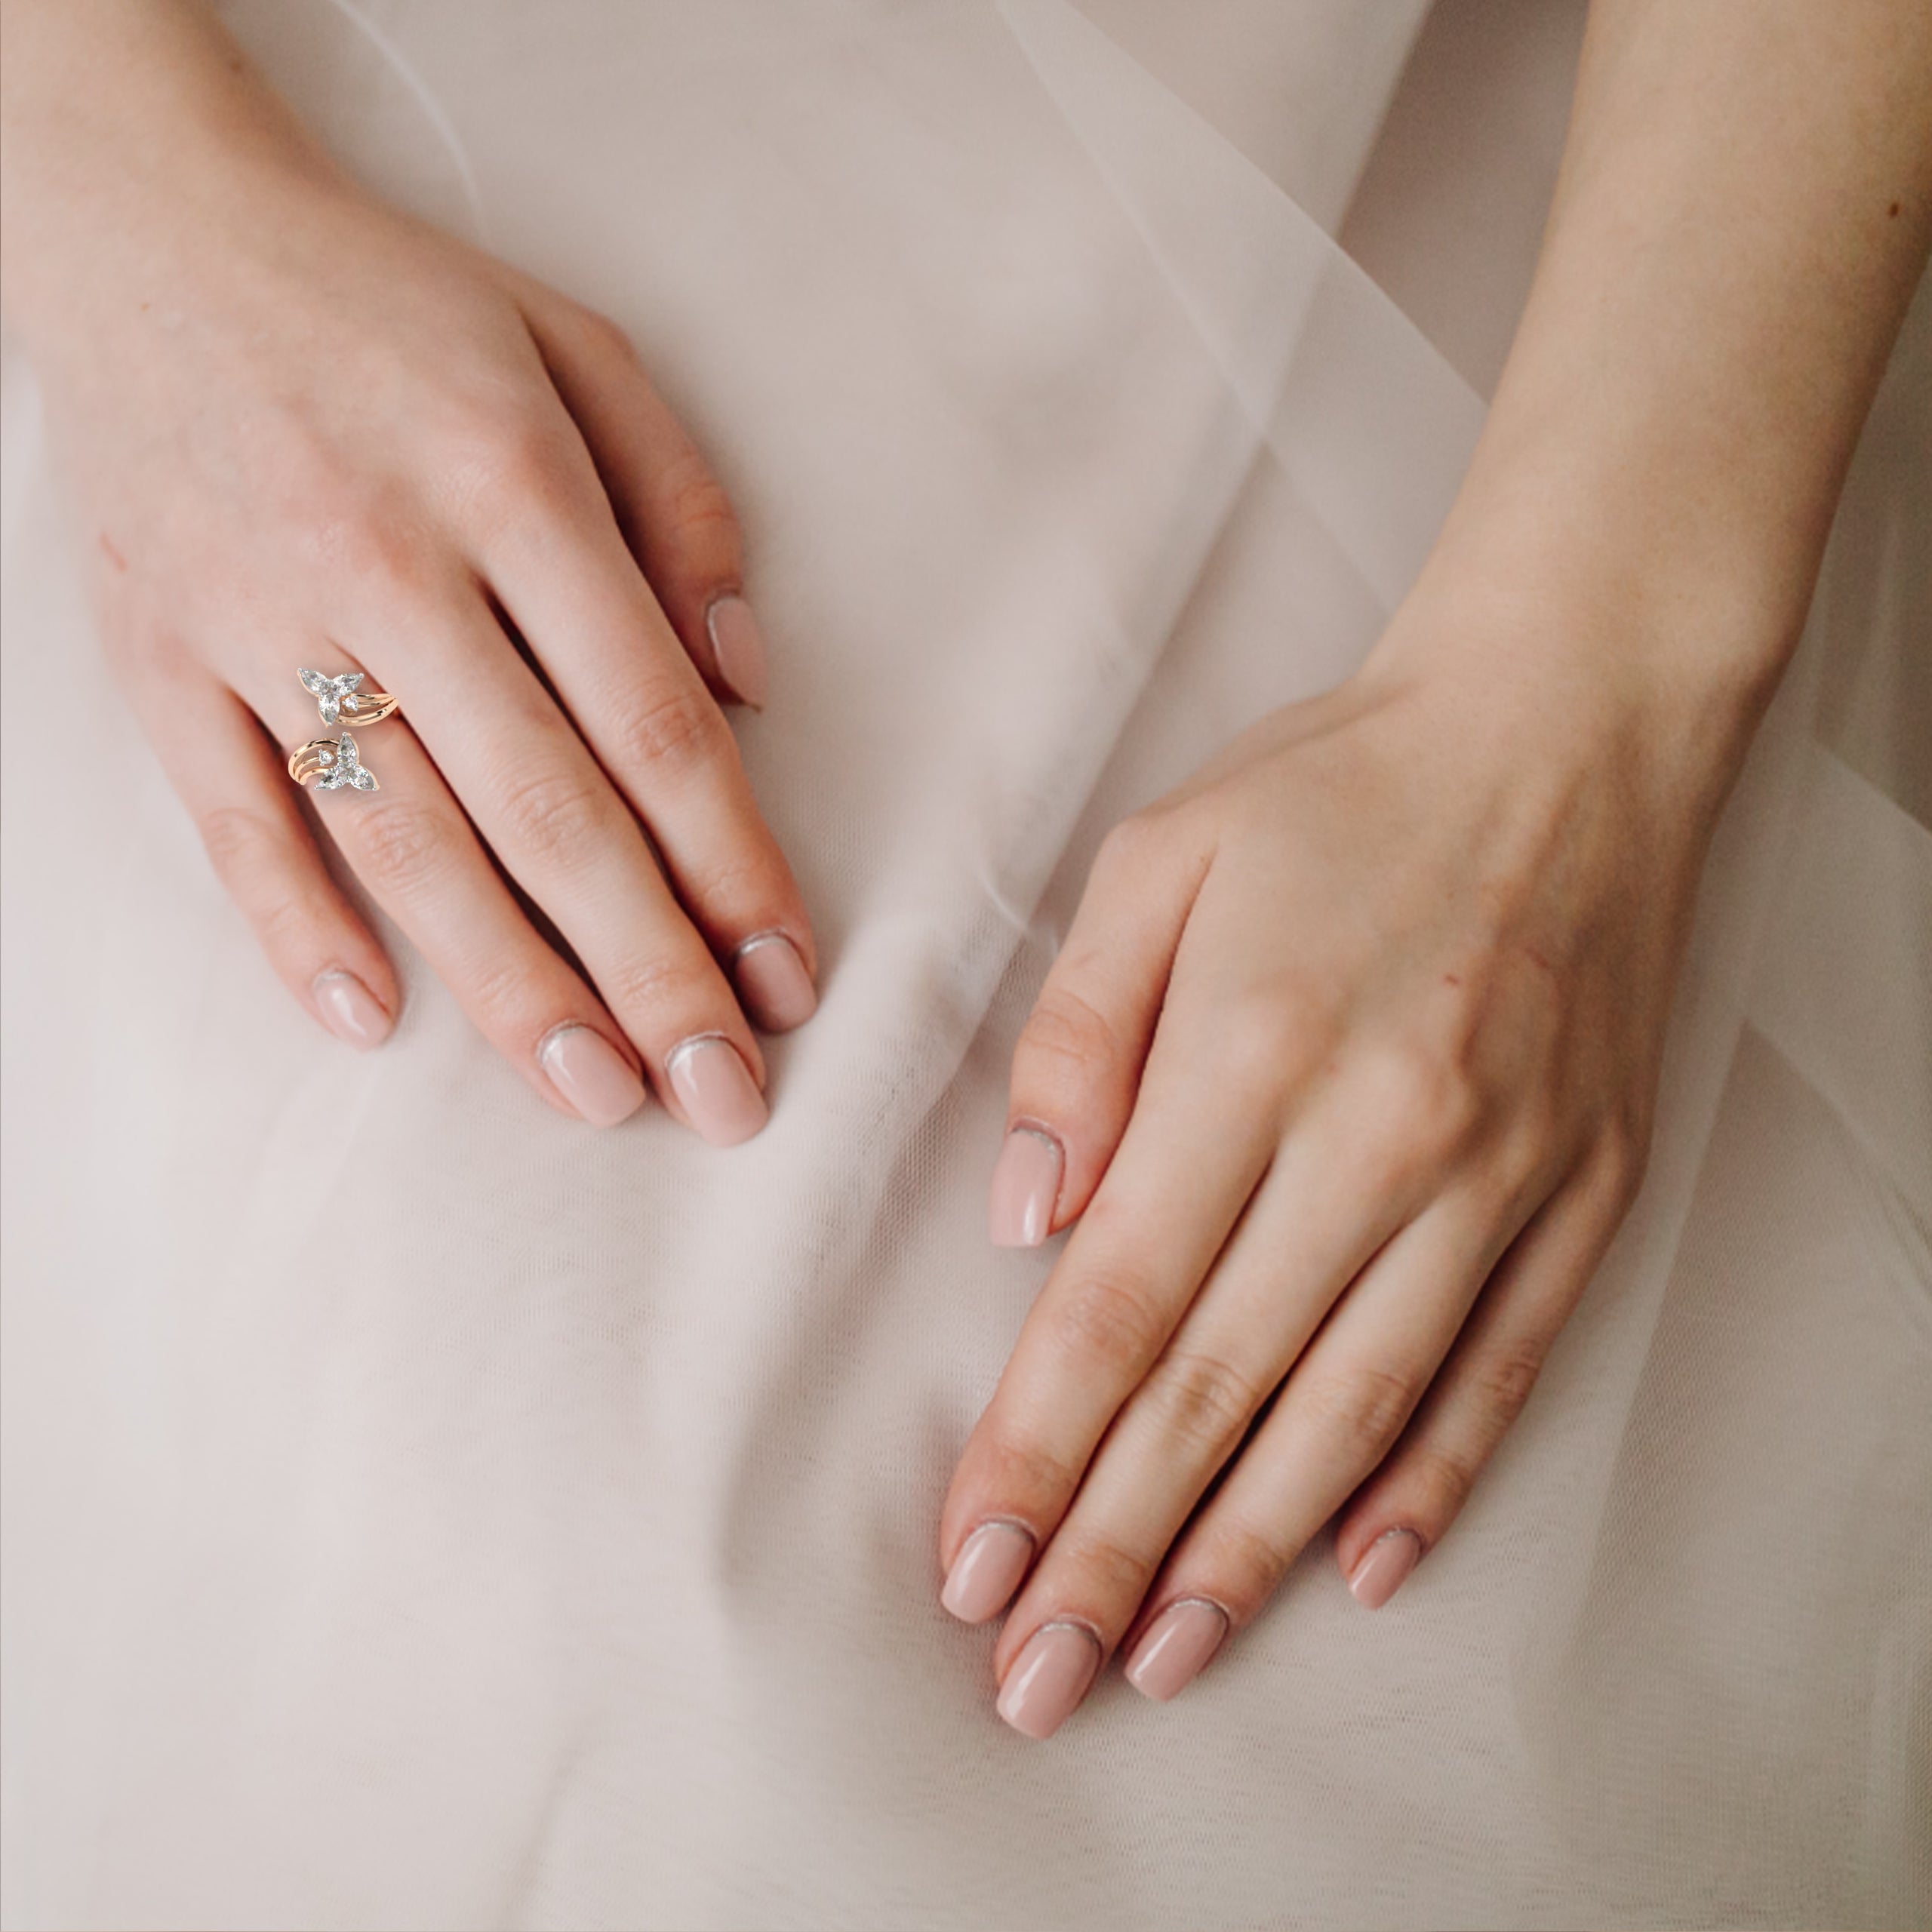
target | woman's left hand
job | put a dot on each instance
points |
(1346, 1069)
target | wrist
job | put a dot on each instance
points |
(1553, 640)
(134, 143)
(1612, 567)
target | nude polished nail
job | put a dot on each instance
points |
(349, 1011)
(591, 1073)
(717, 1089)
(1170, 1655)
(1049, 1677)
(1388, 1560)
(772, 982)
(739, 645)
(987, 1571)
(1026, 1186)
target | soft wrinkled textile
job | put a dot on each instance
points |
(421, 1511)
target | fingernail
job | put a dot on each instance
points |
(590, 1073)
(1177, 1643)
(772, 982)
(1378, 1575)
(1049, 1677)
(717, 1089)
(1026, 1186)
(739, 648)
(987, 1571)
(349, 1010)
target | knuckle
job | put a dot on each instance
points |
(1265, 1032)
(1206, 1402)
(696, 507)
(661, 993)
(1625, 1156)
(670, 729)
(400, 847)
(1130, 843)
(1110, 1569)
(375, 545)
(554, 814)
(1502, 1381)
(605, 336)
(1110, 1320)
(1440, 1481)
(1537, 1142)
(1066, 1031)
(1264, 1044)
(241, 845)
(1023, 1468)
(503, 989)
(750, 890)
(513, 463)
(284, 923)
(131, 647)
(1363, 1408)
(1433, 1104)
(1246, 1563)
(533, 459)
(1517, 1172)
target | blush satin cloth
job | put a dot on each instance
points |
(422, 1510)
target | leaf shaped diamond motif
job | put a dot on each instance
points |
(333, 695)
(342, 767)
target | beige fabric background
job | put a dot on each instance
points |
(552, 1546)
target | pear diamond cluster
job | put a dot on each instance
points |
(333, 696)
(342, 766)
(334, 764)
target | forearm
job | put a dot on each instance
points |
(1742, 213)
(118, 119)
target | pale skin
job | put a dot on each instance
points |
(307, 430)
(1343, 1080)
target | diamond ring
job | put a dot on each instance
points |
(338, 697)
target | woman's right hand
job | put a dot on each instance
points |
(306, 431)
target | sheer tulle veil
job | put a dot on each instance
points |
(549, 1541)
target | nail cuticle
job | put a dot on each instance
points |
(764, 938)
(556, 1033)
(1027, 1181)
(982, 1578)
(1386, 1564)
(689, 1045)
(1085, 1629)
(597, 1082)
(348, 1009)
(720, 1097)
(1045, 1684)
(1174, 1603)
(1173, 1649)
(738, 648)
(1009, 1522)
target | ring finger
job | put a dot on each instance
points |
(411, 846)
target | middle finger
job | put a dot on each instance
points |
(560, 565)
